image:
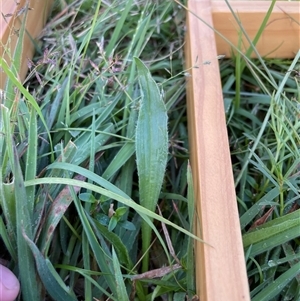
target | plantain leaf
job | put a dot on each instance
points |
(151, 143)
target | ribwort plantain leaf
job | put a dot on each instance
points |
(151, 143)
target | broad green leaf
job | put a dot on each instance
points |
(181, 296)
(112, 223)
(127, 225)
(120, 212)
(113, 239)
(87, 197)
(151, 143)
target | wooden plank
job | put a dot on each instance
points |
(11, 17)
(220, 266)
(281, 37)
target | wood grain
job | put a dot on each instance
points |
(280, 38)
(220, 266)
(10, 22)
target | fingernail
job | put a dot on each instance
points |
(8, 279)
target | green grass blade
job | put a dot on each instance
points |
(8, 204)
(85, 43)
(276, 287)
(18, 212)
(266, 119)
(55, 214)
(7, 187)
(87, 266)
(28, 96)
(88, 174)
(266, 200)
(190, 264)
(144, 212)
(7, 240)
(6, 141)
(122, 293)
(51, 280)
(104, 262)
(151, 147)
(87, 274)
(85, 243)
(30, 286)
(31, 158)
(123, 155)
(16, 59)
(256, 38)
(238, 72)
(113, 239)
(273, 233)
(83, 141)
(118, 28)
(135, 47)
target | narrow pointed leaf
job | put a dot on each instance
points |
(55, 286)
(273, 233)
(30, 287)
(122, 293)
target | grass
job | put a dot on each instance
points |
(83, 174)
(85, 158)
(264, 140)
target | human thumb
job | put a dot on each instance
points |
(9, 285)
